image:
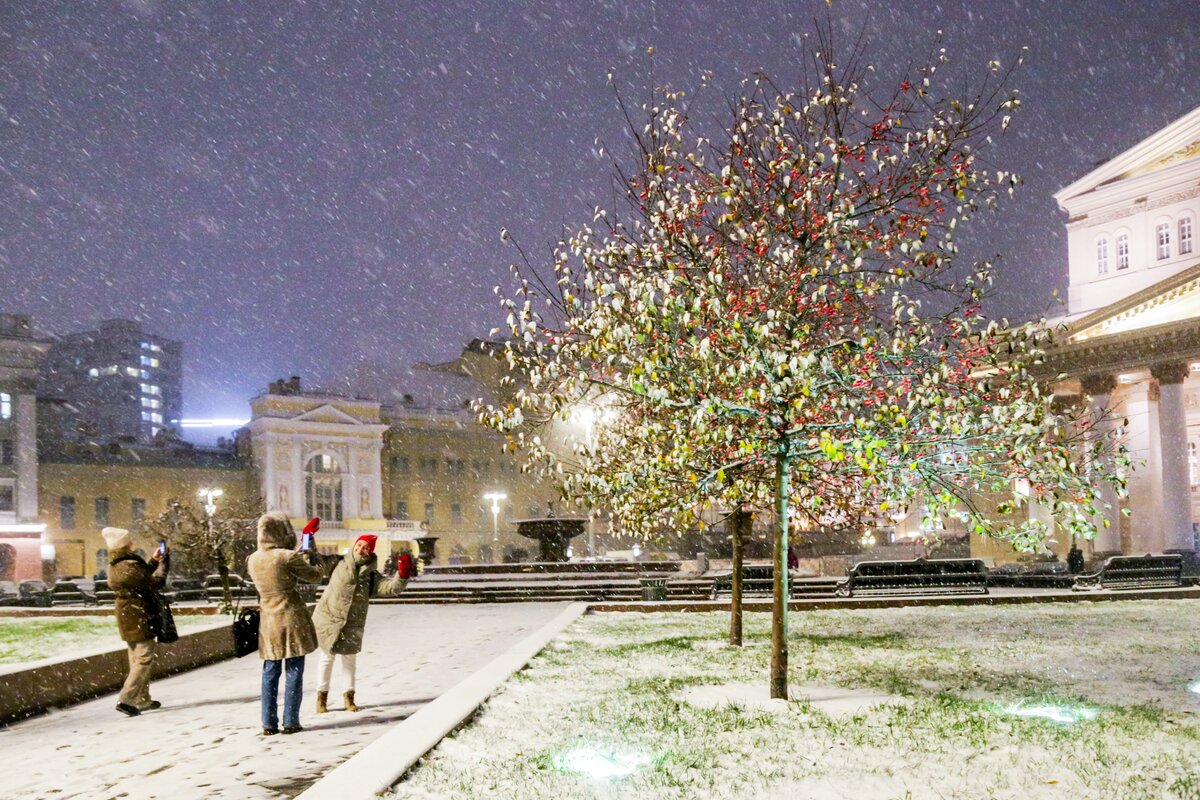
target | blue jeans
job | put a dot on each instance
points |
(292, 690)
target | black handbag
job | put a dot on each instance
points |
(245, 632)
(162, 621)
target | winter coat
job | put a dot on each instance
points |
(341, 613)
(285, 629)
(132, 581)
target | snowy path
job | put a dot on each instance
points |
(205, 741)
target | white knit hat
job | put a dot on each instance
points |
(116, 537)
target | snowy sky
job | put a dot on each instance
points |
(299, 187)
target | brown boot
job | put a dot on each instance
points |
(350, 701)
(322, 699)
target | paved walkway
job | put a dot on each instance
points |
(205, 741)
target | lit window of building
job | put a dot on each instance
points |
(1123, 251)
(1102, 255)
(5, 405)
(1163, 238)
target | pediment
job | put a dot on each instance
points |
(1176, 299)
(328, 414)
(1179, 141)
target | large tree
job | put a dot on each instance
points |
(778, 318)
(202, 546)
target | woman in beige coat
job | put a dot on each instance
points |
(341, 614)
(285, 634)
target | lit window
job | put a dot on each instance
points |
(145, 416)
(148, 361)
(145, 375)
(1123, 251)
(94, 373)
(1163, 236)
(150, 388)
(145, 402)
(5, 405)
(1102, 255)
(131, 372)
(1185, 236)
(156, 418)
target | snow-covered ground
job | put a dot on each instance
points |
(26, 639)
(1080, 700)
(205, 742)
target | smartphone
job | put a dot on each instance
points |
(162, 547)
(308, 541)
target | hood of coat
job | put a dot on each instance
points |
(121, 553)
(275, 531)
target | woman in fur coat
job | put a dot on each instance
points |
(341, 614)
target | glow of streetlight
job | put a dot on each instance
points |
(497, 498)
(210, 499)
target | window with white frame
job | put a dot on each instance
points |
(5, 405)
(1185, 235)
(1102, 255)
(1123, 251)
(1162, 238)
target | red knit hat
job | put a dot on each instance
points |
(370, 539)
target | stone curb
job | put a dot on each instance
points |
(815, 604)
(34, 688)
(379, 765)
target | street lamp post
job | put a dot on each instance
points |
(496, 498)
(209, 496)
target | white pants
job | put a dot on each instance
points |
(349, 663)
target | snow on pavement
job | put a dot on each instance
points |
(206, 742)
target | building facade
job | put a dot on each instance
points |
(1130, 349)
(21, 527)
(121, 381)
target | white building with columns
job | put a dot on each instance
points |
(317, 454)
(1132, 343)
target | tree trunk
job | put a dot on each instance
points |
(779, 608)
(223, 571)
(740, 524)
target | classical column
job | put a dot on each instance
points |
(1099, 389)
(26, 457)
(1145, 479)
(298, 502)
(1173, 444)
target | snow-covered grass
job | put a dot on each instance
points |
(33, 639)
(621, 706)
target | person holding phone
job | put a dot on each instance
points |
(341, 615)
(134, 581)
(285, 633)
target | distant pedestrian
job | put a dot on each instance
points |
(341, 614)
(135, 583)
(285, 634)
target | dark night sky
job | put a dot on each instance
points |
(299, 187)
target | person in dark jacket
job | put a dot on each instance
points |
(341, 614)
(134, 582)
(285, 632)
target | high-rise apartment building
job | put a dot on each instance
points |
(118, 381)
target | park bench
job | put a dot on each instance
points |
(68, 593)
(1151, 571)
(758, 580)
(917, 577)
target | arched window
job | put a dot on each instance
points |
(323, 488)
(1162, 238)
(1185, 235)
(1123, 251)
(1102, 255)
